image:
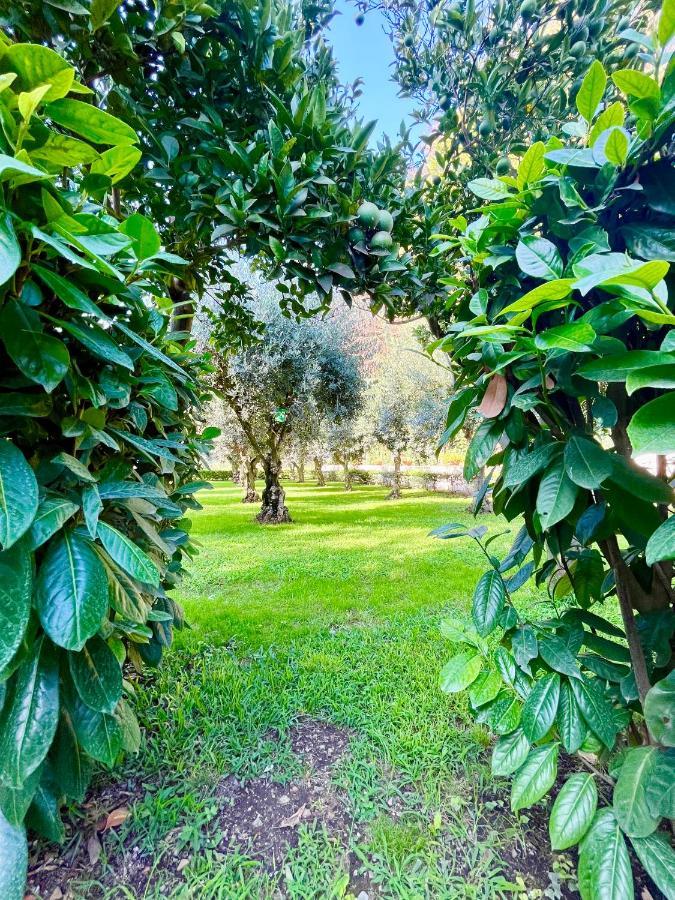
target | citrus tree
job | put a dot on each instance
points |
(563, 343)
(99, 448)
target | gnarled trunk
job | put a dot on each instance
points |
(318, 471)
(348, 475)
(250, 493)
(301, 469)
(395, 492)
(274, 510)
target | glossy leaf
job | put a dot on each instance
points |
(660, 710)
(488, 602)
(604, 864)
(573, 811)
(556, 496)
(658, 858)
(510, 752)
(13, 860)
(460, 671)
(97, 675)
(587, 464)
(29, 719)
(541, 706)
(535, 777)
(128, 555)
(72, 591)
(595, 709)
(18, 494)
(16, 583)
(52, 513)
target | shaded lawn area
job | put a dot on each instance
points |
(308, 683)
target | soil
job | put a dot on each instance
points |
(261, 817)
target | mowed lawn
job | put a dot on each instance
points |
(306, 640)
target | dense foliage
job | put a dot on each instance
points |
(563, 339)
(99, 451)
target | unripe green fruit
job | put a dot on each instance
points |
(595, 26)
(436, 180)
(445, 102)
(582, 34)
(367, 214)
(503, 166)
(578, 49)
(384, 221)
(485, 128)
(409, 40)
(381, 240)
(360, 19)
(528, 8)
(356, 235)
(631, 51)
(623, 23)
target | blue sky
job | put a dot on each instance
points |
(366, 51)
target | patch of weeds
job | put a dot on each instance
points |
(317, 869)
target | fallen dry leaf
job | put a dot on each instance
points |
(184, 863)
(646, 895)
(294, 820)
(93, 849)
(56, 894)
(116, 817)
(494, 398)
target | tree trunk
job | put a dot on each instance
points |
(250, 493)
(318, 471)
(235, 467)
(184, 311)
(301, 469)
(274, 510)
(241, 477)
(395, 493)
(348, 475)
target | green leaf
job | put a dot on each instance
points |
(68, 292)
(557, 289)
(573, 811)
(532, 165)
(614, 115)
(524, 467)
(488, 602)
(50, 516)
(616, 146)
(116, 163)
(13, 860)
(510, 752)
(571, 727)
(595, 709)
(18, 494)
(666, 22)
(129, 727)
(524, 647)
(14, 802)
(535, 777)
(660, 785)
(460, 671)
(29, 719)
(576, 337)
(635, 84)
(503, 714)
(604, 864)
(37, 65)
(72, 768)
(655, 376)
(658, 859)
(651, 428)
(127, 555)
(11, 167)
(97, 675)
(145, 240)
(587, 464)
(16, 583)
(10, 252)
(97, 342)
(99, 734)
(618, 366)
(485, 688)
(79, 470)
(660, 710)
(556, 495)
(630, 801)
(44, 816)
(539, 258)
(489, 189)
(558, 656)
(541, 707)
(72, 591)
(591, 91)
(90, 122)
(661, 545)
(40, 357)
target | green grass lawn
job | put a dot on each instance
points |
(332, 618)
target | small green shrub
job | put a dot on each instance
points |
(98, 454)
(215, 474)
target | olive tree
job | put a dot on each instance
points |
(270, 384)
